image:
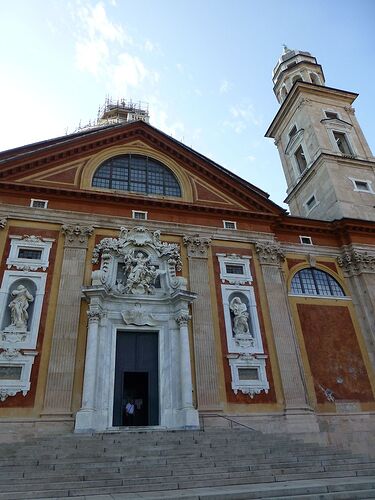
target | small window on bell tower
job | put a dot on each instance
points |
(301, 159)
(342, 143)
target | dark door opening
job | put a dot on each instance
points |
(136, 379)
(136, 393)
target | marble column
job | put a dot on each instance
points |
(288, 352)
(207, 374)
(58, 395)
(185, 365)
(359, 270)
(85, 416)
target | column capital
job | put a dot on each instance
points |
(95, 315)
(197, 246)
(269, 253)
(354, 262)
(76, 236)
(182, 317)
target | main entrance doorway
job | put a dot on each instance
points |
(136, 392)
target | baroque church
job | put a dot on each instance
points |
(137, 273)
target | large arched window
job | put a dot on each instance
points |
(312, 281)
(136, 173)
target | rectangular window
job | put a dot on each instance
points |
(301, 160)
(234, 269)
(10, 372)
(342, 143)
(306, 240)
(311, 202)
(228, 224)
(28, 253)
(331, 115)
(138, 214)
(362, 186)
(248, 374)
(38, 203)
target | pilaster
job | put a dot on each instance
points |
(207, 375)
(271, 257)
(358, 267)
(60, 376)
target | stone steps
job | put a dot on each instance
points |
(178, 463)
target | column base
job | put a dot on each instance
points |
(189, 418)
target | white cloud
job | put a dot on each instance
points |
(96, 24)
(250, 158)
(240, 118)
(91, 55)
(224, 87)
(130, 71)
(149, 46)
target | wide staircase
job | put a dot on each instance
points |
(212, 464)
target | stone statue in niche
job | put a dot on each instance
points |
(18, 308)
(141, 274)
(241, 328)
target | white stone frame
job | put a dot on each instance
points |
(338, 125)
(237, 346)
(29, 243)
(304, 242)
(22, 340)
(355, 188)
(250, 387)
(237, 260)
(38, 199)
(165, 311)
(230, 222)
(139, 212)
(13, 357)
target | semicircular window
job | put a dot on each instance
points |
(138, 174)
(313, 281)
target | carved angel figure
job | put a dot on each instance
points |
(141, 274)
(18, 307)
(240, 321)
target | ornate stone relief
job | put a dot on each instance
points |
(183, 317)
(3, 223)
(248, 373)
(15, 370)
(355, 262)
(350, 110)
(21, 245)
(197, 246)
(76, 235)
(144, 258)
(137, 315)
(269, 253)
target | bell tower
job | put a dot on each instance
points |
(328, 165)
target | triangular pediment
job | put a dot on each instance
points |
(67, 162)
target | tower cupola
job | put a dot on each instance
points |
(294, 66)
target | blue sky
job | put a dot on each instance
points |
(204, 67)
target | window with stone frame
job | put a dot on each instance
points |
(342, 143)
(299, 155)
(312, 281)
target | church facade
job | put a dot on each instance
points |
(138, 274)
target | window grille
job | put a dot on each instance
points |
(313, 281)
(136, 173)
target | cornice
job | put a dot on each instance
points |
(351, 160)
(131, 200)
(309, 89)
